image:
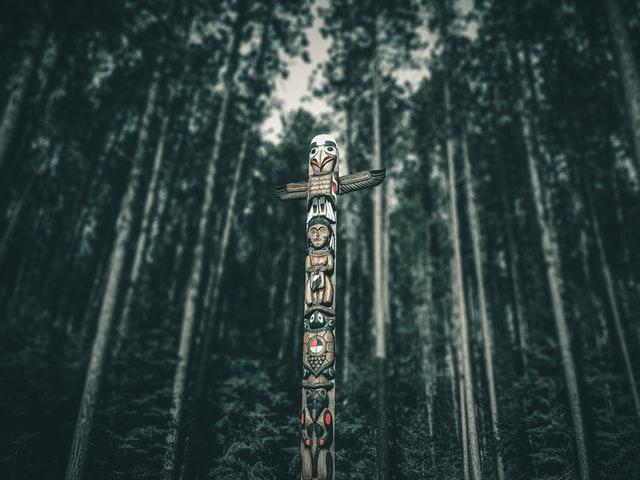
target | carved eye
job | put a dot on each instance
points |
(313, 151)
(330, 149)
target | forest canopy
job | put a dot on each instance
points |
(151, 282)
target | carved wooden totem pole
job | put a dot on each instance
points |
(317, 417)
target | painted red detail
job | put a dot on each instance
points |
(302, 418)
(327, 418)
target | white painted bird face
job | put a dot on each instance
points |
(323, 154)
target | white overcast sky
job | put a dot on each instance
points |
(293, 92)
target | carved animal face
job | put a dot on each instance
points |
(317, 401)
(318, 235)
(323, 154)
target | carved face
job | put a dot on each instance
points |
(317, 401)
(318, 235)
(323, 154)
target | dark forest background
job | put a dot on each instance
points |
(151, 283)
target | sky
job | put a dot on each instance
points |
(293, 92)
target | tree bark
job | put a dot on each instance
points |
(514, 272)
(553, 268)
(476, 240)
(348, 255)
(459, 296)
(287, 310)
(628, 71)
(198, 425)
(613, 303)
(386, 229)
(195, 277)
(463, 417)
(141, 243)
(124, 224)
(428, 360)
(379, 309)
(13, 221)
(425, 329)
(15, 102)
(451, 371)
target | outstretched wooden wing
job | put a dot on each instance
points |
(361, 180)
(292, 191)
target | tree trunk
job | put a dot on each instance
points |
(124, 224)
(382, 464)
(553, 268)
(195, 277)
(15, 102)
(424, 326)
(428, 368)
(476, 240)
(199, 424)
(463, 417)
(13, 221)
(613, 302)
(95, 299)
(141, 243)
(451, 372)
(348, 256)
(459, 297)
(386, 231)
(514, 272)
(628, 71)
(287, 310)
(600, 334)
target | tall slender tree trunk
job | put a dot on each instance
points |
(424, 325)
(459, 296)
(425, 328)
(553, 268)
(379, 309)
(287, 310)
(463, 416)
(601, 334)
(348, 255)
(613, 303)
(386, 242)
(628, 71)
(199, 423)
(93, 303)
(124, 225)
(273, 286)
(15, 102)
(194, 283)
(141, 243)
(13, 221)
(476, 240)
(514, 272)
(451, 372)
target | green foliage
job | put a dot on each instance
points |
(69, 164)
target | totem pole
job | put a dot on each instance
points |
(317, 416)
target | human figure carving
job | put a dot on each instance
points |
(319, 264)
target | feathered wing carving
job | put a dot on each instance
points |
(292, 191)
(361, 180)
